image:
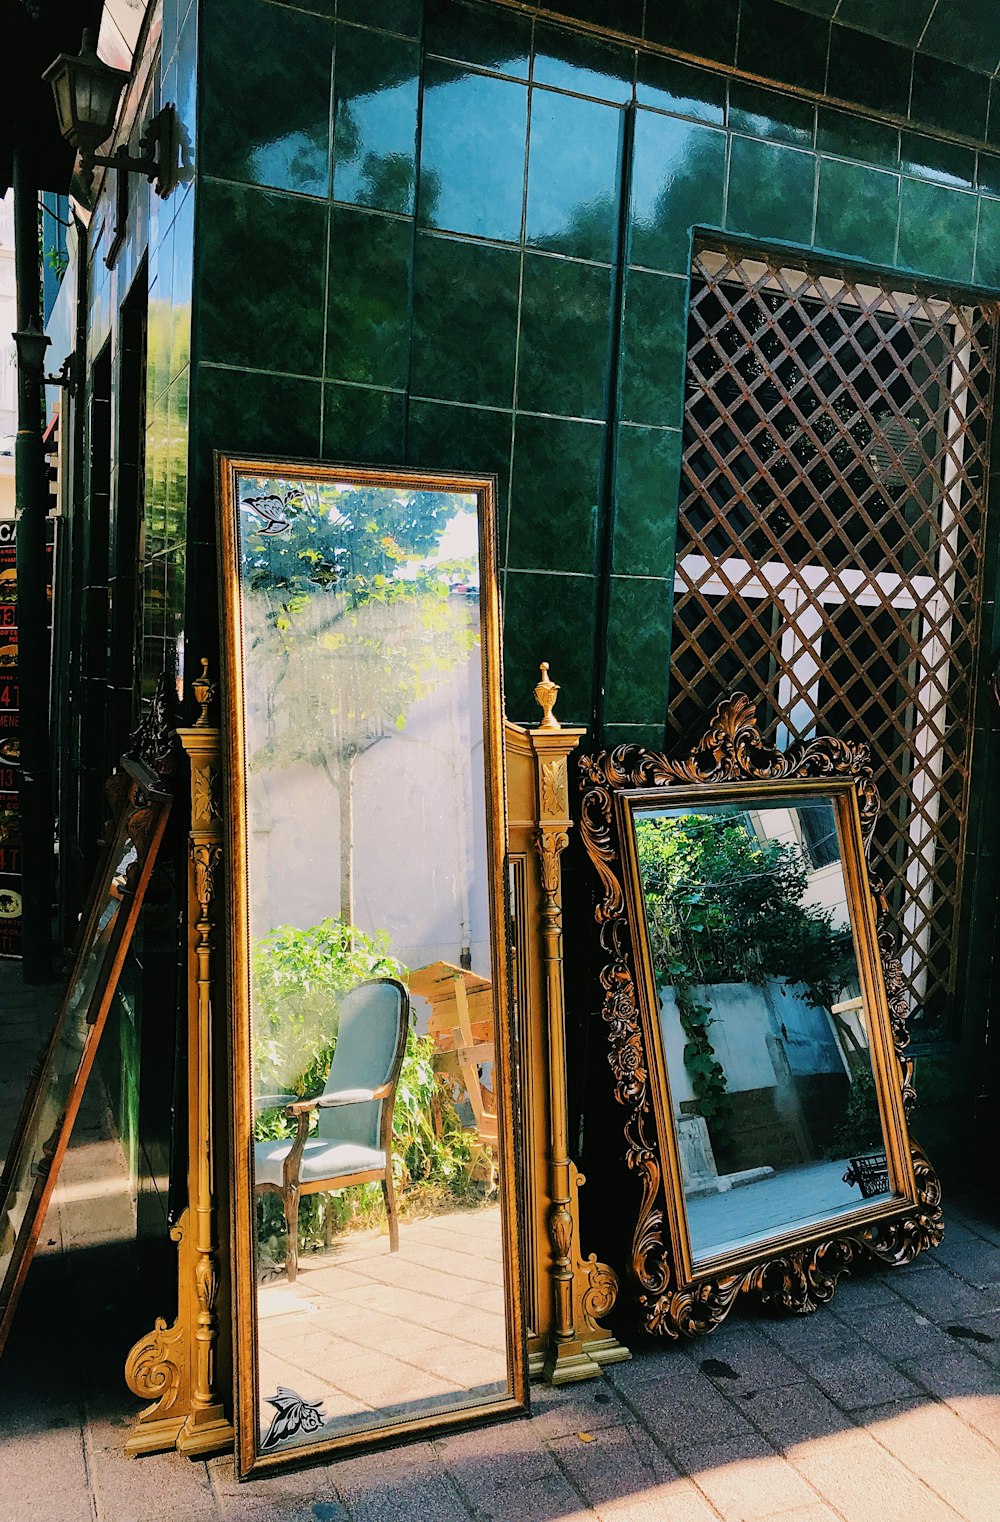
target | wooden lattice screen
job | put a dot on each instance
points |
(829, 553)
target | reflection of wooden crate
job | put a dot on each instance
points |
(870, 1173)
(462, 1028)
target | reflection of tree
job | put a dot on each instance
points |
(727, 907)
(350, 621)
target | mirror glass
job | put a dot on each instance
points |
(764, 1027)
(377, 1178)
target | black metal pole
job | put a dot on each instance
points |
(31, 499)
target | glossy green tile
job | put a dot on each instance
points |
(262, 258)
(554, 493)
(993, 121)
(654, 342)
(703, 28)
(896, 22)
(177, 442)
(240, 412)
(782, 44)
(565, 335)
(571, 61)
(667, 85)
(964, 31)
(857, 211)
(770, 191)
(252, 127)
(184, 93)
(361, 426)
(464, 321)
(937, 230)
(376, 88)
(647, 486)
(638, 651)
(443, 437)
(405, 16)
(482, 35)
(678, 182)
(855, 138)
(573, 169)
(623, 16)
(988, 173)
(947, 96)
(548, 618)
(473, 146)
(988, 243)
(649, 736)
(928, 158)
(869, 71)
(367, 324)
(765, 113)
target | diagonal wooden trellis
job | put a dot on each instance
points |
(829, 551)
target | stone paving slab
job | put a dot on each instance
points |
(885, 1407)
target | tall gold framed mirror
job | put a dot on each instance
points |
(756, 1021)
(375, 1240)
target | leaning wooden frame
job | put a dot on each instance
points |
(789, 1266)
(139, 802)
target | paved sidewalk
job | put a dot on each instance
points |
(883, 1408)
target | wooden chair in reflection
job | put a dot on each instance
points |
(462, 1028)
(352, 1142)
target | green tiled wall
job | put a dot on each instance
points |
(449, 246)
(463, 240)
(137, 1050)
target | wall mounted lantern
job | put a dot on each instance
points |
(31, 343)
(87, 92)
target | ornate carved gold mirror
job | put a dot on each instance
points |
(139, 802)
(756, 1021)
(375, 1243)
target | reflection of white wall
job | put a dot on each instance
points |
(420, 863)
(825, 887)
(743, 1017)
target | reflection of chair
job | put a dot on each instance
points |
(352, 1142)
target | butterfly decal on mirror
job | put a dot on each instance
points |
(291, 1414)
(273, 510)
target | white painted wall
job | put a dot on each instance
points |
(420, 863)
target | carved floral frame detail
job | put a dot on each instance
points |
(798, 1278)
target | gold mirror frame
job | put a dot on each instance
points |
(794, 1272)
(139, 802)
(251, 1459)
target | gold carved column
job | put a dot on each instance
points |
(175, 1366)
(566, 1293)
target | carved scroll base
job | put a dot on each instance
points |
(595, 1290)
(159, 1369)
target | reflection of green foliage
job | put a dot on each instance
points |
(351, 643)
(297, 979)
(860, 1130)
(726, 907)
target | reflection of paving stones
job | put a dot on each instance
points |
(810, 1192)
